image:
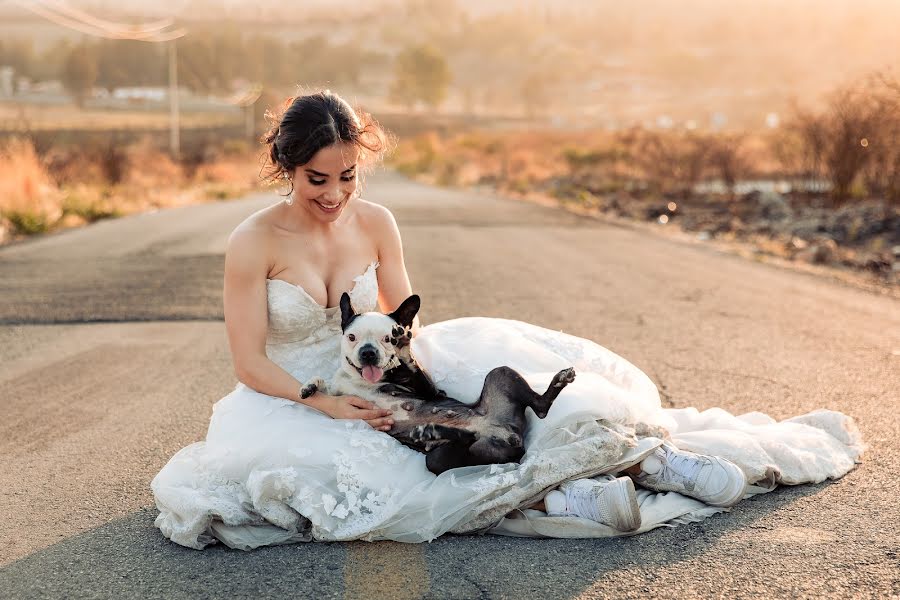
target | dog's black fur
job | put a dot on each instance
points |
(450, 433)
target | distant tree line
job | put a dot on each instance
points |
(208, 62)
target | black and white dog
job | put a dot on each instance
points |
(377, 365)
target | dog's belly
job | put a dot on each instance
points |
(410, 412)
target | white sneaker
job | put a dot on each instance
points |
(607, 500)
(710, 479)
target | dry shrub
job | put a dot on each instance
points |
(728, 159)
(73, 165)
(145, 165)
(72, 186)
(670, 161)
(229, 170)
(852, 142)
(29, 198)
(882, 174)
(87, 203)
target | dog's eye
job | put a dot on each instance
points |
(351, 337)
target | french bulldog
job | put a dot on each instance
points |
(377, 365)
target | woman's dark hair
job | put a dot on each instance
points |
(311, 122)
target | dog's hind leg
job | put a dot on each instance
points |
(543, 402)
(496, 449)
(447, 456)
(506, 383)
(433, 432)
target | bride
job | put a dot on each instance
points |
(275, 468)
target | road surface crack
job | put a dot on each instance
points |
(729, 373)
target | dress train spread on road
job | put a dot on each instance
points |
(274, 471)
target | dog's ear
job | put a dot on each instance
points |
(347, 314)
(407, 310)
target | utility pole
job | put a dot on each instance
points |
(174, 121)
(73, 18)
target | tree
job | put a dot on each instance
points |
(726, 154)
(80, 73)
(421, 74)
(18, 54)
(126, 63)
(836, 140)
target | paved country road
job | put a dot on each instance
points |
(112, 352)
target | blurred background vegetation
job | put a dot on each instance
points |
(765, 120)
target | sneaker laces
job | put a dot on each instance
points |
(680, 466)
(584, 501)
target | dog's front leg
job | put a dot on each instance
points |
(316, 384)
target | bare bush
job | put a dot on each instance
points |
(674, 161)
(882, 173)
(853, 140)
(727, 158)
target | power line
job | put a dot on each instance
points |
(59, 12)
(77, 20)
(137, 30)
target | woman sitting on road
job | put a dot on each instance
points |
(276, 468)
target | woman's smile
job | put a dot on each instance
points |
(328, 207)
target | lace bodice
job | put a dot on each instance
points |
(303, 336)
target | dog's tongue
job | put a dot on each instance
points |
(372, 374)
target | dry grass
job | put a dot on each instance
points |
(69, 187)
(29, 199)
(592, 161)
(20, 117)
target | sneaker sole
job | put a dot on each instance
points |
(630, 516)
(735, 492)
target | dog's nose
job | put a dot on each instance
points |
(368, 355)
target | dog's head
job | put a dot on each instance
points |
(369, 344)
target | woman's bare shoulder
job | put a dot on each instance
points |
(254, 229)
(375, 217)
(251, 239)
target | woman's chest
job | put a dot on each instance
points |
(324, 270)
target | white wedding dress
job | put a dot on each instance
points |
(275, 471)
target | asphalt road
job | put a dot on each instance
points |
(112, 352)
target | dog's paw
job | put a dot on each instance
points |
(564, 378)
(312, 387)
(400, 336)
(424, 433)
(515, 440)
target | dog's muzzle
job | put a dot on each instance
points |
(368, 355)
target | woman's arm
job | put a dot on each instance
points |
(393, 280)
(246, 321)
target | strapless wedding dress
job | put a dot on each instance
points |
(274, 471)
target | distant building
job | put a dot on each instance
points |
(152, 94)
(52, 86)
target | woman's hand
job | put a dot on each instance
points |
(353, 407)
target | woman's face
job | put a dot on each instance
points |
(325, 184)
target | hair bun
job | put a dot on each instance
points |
(311, 122)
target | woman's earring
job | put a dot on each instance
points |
(290, 199)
